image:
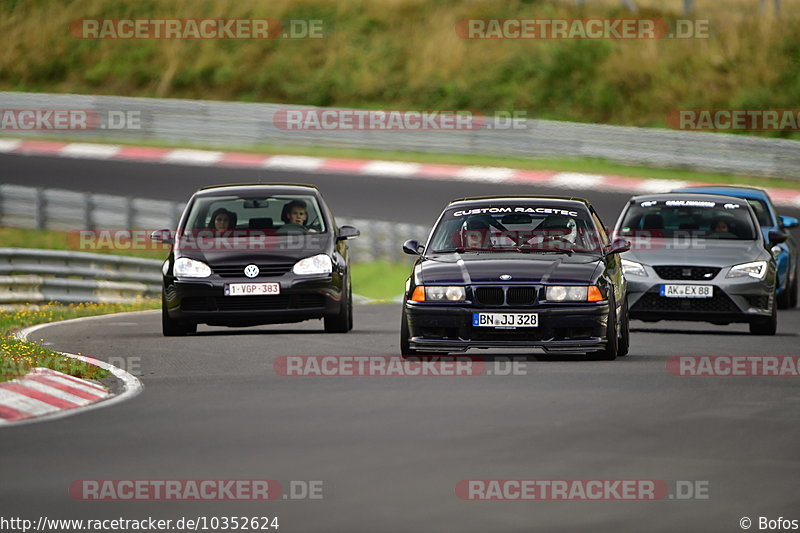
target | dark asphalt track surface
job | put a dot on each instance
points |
(390, 451)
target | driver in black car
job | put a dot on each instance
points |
(296, 214)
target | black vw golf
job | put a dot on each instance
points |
(516, 272)
(256, 254)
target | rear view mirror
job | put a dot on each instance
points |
(789, 222)
(347, 232)
(163, 236)
(776, 237)
(619, 246)
(412, 247)
(520, 218)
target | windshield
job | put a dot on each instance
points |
(274, 215)
(526, 228)
(680, 218)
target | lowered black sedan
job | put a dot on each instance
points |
(256, 254)
(516, 272)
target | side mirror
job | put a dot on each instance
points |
(163, 236)
(789, 222)
(776, 237)
(412, 247)
(347, 232)
(619, 246)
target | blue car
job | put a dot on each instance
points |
(785, 253)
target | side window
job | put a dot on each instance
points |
(601, 230)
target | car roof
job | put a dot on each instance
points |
(257, 188)
(727, 190)
(546, 200)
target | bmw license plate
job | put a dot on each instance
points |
(687, 291)
(505, 320)
(252, 289)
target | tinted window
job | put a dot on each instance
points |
(257, 213)
(679, 218)
(530, 227)
(762, 212)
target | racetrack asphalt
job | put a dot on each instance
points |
(390, 450)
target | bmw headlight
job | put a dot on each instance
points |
(756, 269)
(317, 264)
(439, 293)
(444, 293)
(190, 268)
(632, 268)
(562, 293)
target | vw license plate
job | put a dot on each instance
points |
(252, 289)
(687, 291)
(505, 320)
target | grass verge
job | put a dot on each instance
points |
(18, 357)
(379, 280)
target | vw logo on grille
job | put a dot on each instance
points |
(251, 271)
(505, 277)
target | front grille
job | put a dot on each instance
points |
(686, 272)
(253, 303)
(521, 295)
(489, 295)
(519, 334)
(264, 271)
(719, 303)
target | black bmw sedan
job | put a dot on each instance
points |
(254, 254)
(516, 272)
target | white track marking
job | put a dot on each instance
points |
(90, 151)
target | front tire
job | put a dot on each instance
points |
(342, 322)
(624, 332)
(766, 326)
(174, 328)
(609, 353)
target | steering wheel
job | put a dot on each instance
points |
(291, 228)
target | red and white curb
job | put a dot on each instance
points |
(45, 394)
(576, 181)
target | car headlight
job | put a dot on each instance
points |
(560, 293)
(756, 269)
(632, 268)
(317, 264)
(191, 268)
(439, 293)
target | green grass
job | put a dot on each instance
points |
(587, 165)
(18, 357)
(406, 54)
(380, 280)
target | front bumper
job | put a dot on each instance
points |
(567, 328)
(734, 300)
(204, 301)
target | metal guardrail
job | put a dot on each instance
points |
(58, 209)
(35, 276)
(210, 123)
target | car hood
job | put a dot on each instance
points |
(709, 252)
(523, 268)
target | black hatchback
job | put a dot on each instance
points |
(516, 272)
(255, 254)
